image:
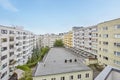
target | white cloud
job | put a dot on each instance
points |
(8, 5)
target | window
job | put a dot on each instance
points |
(3, 57)
(117, 35)
(105, 50)
(53, 78)
(117, 62)
(11, 46)
(87, 75)
(90, 43)
(89, 33)
(11, 38)
(105, 28)
(79, 76)
(116, 53)
(4, 74)
(4, 31)
(105, 35)
(117, 26)
(105, 43)
(4, 65)
(117, 44)
(99, 35)
(11, 53)
(62, 78)
(106, 58)
(3, 48)
(71, 77)
(18, 32)
(11, 32)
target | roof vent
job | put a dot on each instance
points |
(70, 60)
(75, 60)
(65, 61)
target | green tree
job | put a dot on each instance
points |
(58, 43)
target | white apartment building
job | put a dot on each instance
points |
(84, 39)
(49, 39)
(16, 46)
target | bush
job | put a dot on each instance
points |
(30, 65)
(24, 68)
(58, 43)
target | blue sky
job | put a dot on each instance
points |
(54, 16)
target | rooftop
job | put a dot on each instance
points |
(109, 73)
(54, 63)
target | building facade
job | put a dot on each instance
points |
(49, 39)
(85, 40)
(109, 43)
(16, 46)
(68, 39)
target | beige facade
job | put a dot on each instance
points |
(68, 39)
(109, 43)
(82, 75)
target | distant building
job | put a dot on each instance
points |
(60, 64)
(68, 39)
(49, 39)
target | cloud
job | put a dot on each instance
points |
(6, 4)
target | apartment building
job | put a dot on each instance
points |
(60, 64)
(109, 43)
(94, 40)
(68, 39)
(16, 46)
(85, 40)
(49, 39)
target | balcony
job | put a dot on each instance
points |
(3, 40)
(11, 39)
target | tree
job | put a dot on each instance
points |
(58, 43)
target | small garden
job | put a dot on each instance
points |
(36, 57)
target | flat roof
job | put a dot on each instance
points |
(54, 63)
(109, 73)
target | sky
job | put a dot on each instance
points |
(56, 16)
